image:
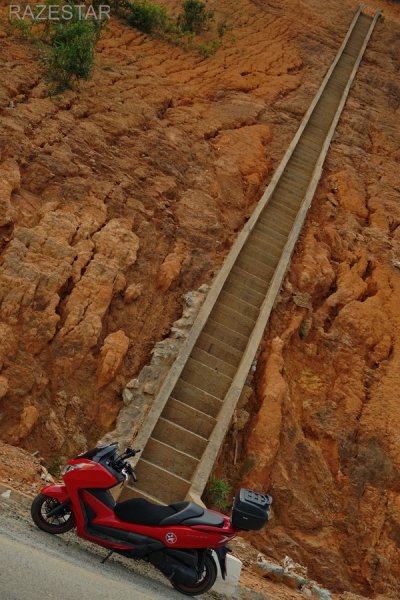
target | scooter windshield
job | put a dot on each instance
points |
(99, 454)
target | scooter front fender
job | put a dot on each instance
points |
(56, 491)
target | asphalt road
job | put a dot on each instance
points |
(38, 566)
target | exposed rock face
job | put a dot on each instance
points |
(139, 393)
(112, 354)
(168, 272)
(10, 179)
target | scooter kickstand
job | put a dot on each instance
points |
(107, 557)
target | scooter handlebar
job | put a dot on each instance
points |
(129, 452)
(129, 470)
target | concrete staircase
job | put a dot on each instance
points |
(190, 416)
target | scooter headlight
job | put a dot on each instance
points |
(67, 468)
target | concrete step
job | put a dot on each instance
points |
(250, 281)
(308, 143)
(311, 141)
(239, 288)
(218, 349)
(299, 156)
(159, 483)
(262, 252)
(263, 271)
(196, 398)
(299, 171)
(292, 182)
(306, 168)
(219, 365)
(179, 438)
(307, 151)
(188, 418)
(265, 241)
(231, 318)
(277, 211)
(289, 176)
(240, 306)
(268, 223)
(225, 334)
(318, 125)
(289, 198)
(273, 237)
(271, 230)
(324, 114)
(172, 460)
(132, 491)
(287, 203)
(205, 378)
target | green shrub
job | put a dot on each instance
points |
(195, 16)
(216, 494)
(223, 27)
(147, 16)
(208, 50)
(55, 466)
(71, 53)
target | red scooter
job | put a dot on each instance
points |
(177, 539)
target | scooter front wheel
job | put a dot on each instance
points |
(60, 523)
(206, 581)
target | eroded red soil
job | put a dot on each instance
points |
(118, 198)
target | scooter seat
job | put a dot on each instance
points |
(142, 512)
(184, 510)
(209, 518)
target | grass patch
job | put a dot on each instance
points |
(217, 494)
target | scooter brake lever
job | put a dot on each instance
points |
(130, 452)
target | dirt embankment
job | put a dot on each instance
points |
(117, 199)
(120, 197)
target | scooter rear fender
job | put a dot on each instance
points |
(56, 491)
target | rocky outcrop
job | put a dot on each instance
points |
(10, 179)
(139, 393)
(111, 356)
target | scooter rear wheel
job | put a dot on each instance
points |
(41, 506)
(205, 582)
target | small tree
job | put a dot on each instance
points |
(147, 16)
(195, 16)
(71, 55)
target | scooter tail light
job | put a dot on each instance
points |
(67, 468)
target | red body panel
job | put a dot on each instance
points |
(186, 537)
(56, 491)
(79, 482)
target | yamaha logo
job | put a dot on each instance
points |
(171, 538)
